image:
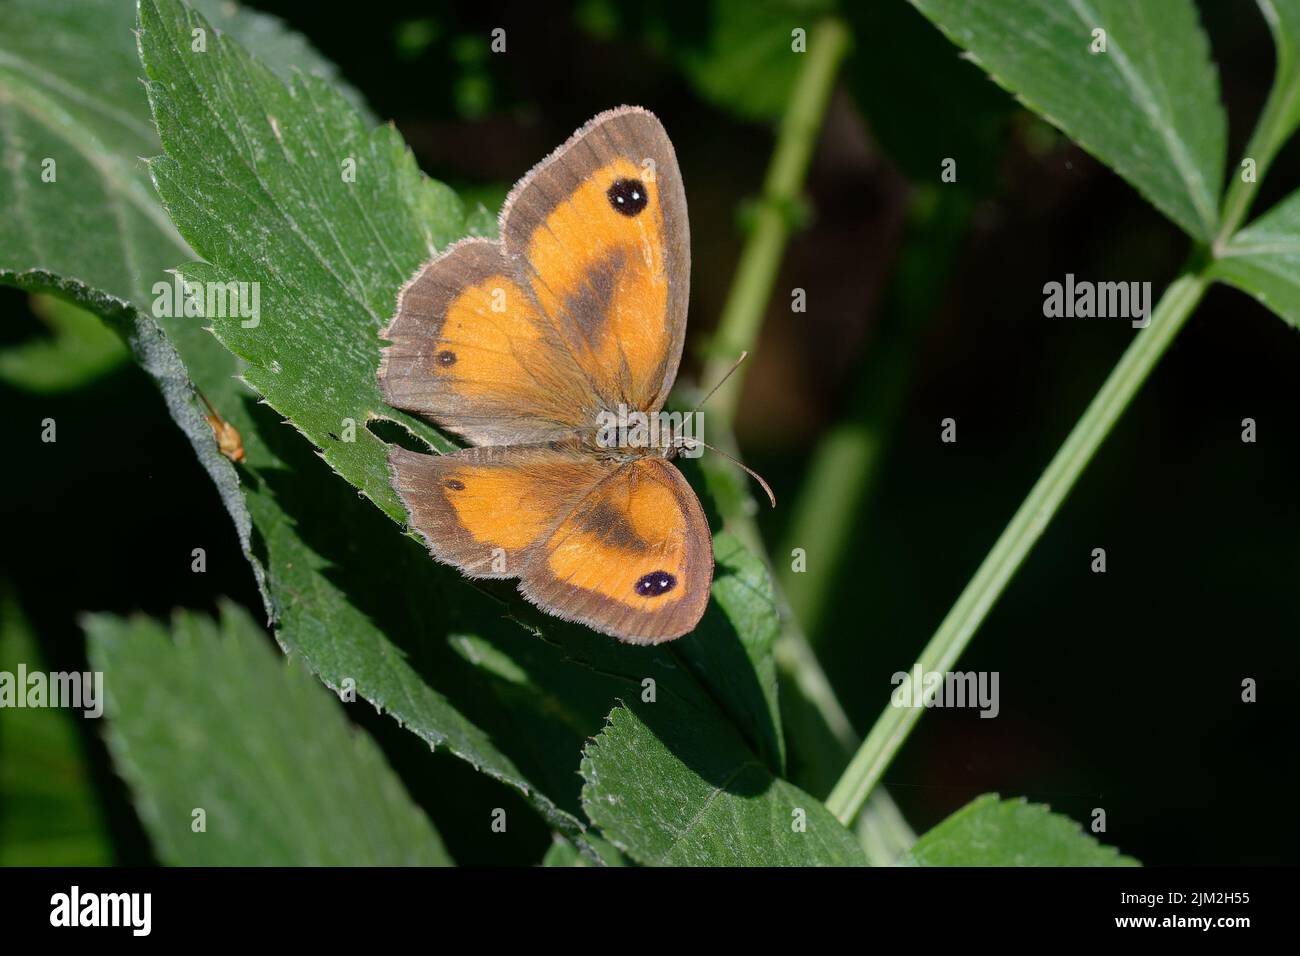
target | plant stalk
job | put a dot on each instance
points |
(738, 328)
(751, 289)
(1030, 520)
(760, 261)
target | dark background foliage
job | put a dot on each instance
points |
(1119, 691)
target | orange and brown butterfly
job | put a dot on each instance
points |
(518, 345)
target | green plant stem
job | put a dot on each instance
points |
(881, 830)
(1272, 129)
(756, 273)
(838, 483)
(1025, 528)
(738, 328)
(760, 261)
(839, 478)
(797, 662)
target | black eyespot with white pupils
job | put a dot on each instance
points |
(627, 196)
(655, 583)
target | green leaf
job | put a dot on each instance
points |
(744, 61)
(1263, 260)
(329, 257)
(702, 800)
(356, 600)
(311, 588)
(1148, 107)
(210, 718)
(741, 671)
(78, 350)
(50, 814)
(97, 234)
(258, 177)
(95, 231)
(563, 853)
(79, 217)
(553, 684)
(989, 831)
(331, 564)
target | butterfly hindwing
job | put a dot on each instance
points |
(622, 547)
(633, 558)
(484, 509)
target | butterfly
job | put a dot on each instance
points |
(523, 346)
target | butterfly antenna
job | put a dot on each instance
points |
(692, 442)
(734, 365)
(735, 461)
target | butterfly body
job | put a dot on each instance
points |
(524, 346)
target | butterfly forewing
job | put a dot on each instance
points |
(601, 231)
(472, 350)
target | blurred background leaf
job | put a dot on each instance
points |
(563, 853)
(49, 809)
(78, 349)
(740, 55)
